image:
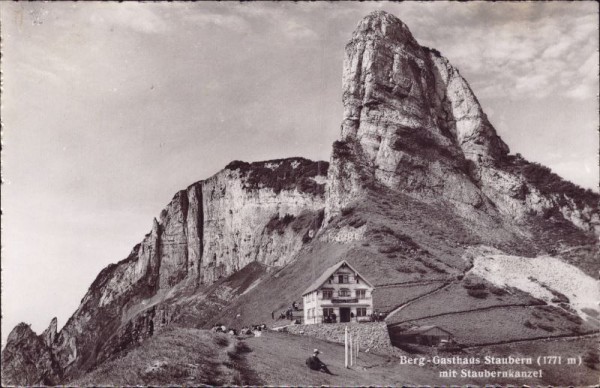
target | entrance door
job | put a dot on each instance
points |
(344, 314)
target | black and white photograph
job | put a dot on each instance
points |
(300, 193)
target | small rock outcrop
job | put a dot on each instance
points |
(27, 360)
(49, 335)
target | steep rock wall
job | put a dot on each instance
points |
(235, 215)
(212, 229)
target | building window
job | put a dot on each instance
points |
(361, 311)
(342, 279)
(344, 292)
(327, 294)
(327, 311)
(361, 294)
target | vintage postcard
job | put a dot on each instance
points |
(300, 194)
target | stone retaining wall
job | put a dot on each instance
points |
(372, 336)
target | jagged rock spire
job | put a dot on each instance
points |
(410, 118)
(381, 24)
(389, 80)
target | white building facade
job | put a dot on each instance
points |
(340, 294)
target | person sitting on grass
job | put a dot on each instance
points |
(314, 363)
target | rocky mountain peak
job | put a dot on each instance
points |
(20, 332)
(380, 24)
(410, 120)
(391, 80)
(412, 123)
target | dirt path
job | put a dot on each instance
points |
(414, 282)
(465, 312)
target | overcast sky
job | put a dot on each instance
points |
(109, 108)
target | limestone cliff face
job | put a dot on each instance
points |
(411, 122)
(262, 211)
(236, 212)
(409, 117)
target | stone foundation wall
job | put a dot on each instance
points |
(372, 335)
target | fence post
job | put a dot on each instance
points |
(350, 346)
(346, 347)
(357, 347)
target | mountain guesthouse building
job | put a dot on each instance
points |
(340, 294)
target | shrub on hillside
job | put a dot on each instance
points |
(560, 299)
(279, 225)
(221, 340)
(283, 174)
(498, 291)
(341, 150)
(549, 183)
(431, 266)
(346, 211)
(419, 141)
(403, 242)
(545, 327)
(477, 293)
(357, 222)
(473, 284)
(307, 222)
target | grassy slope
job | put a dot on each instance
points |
(456, 298)
(278, 359)
(387, 298)
(506, 324)
(183, 356)
(176, 356)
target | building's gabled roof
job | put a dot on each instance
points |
(422, 330)
(328, 272)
